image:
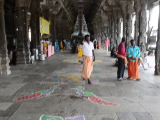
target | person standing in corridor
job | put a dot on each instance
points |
(133, 66)
(122, 61)
(106, 44)
(95, 43)
(88, 58)
(98, 44)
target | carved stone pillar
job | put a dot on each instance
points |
(26, 38)
(124, 15)
(157, 55)
(115, 29)
(53, 28)
(143, 25)
(112, 32)
(23, 51)
(137, 23)
(150, 24)
(4, 60)
(119, 30)
(35, 25)
(129, 23)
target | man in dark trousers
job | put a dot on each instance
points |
(121, 60)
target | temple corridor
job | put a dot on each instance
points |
(134, 100)
(41, 50)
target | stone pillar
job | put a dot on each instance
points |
(143, 25)
(26, 38)
(4, 60)
(10, 27)
(150, 27)
(137, 23)
(129, 23)
(115, 29)
(124, 14)
(23, 52)
(35, 25)
(53, 28)
(112, 31)
(119, 30)
(157, 55)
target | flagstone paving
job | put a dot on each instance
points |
(31, 83)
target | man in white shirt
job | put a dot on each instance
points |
(88, 58)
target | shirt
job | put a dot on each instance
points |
(87, 49)
(106, 42)
(134, 51)
(121, 49)
(95, 41)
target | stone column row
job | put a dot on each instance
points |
(140, 7)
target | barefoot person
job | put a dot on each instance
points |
(133, 66)
(122, 61)
(88, 58)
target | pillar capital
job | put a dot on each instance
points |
(143, 2)
(123, 5)
(2, 2)
(130, 5)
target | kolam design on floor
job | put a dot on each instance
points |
(76, 77)
(92, 97)
(37, 94)
(44, 117)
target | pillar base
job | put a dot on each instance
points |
(4, 66)
(23, 57)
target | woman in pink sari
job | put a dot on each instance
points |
(106, 44)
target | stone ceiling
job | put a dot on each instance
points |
(86, 5)
(91, 8)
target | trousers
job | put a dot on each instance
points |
(121, 68)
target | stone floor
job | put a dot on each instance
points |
(131, 100)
